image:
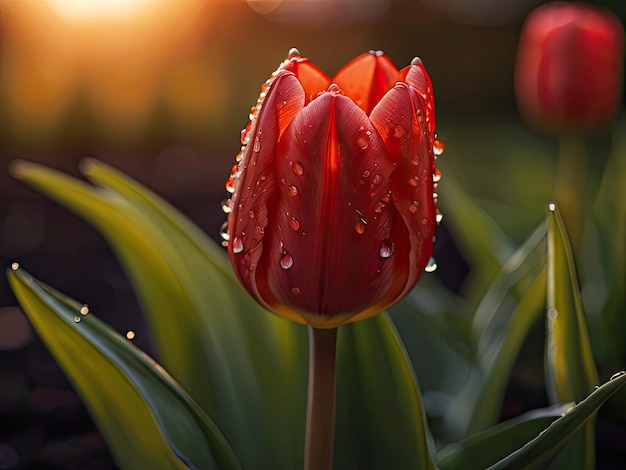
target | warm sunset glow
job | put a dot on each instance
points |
(81, 10)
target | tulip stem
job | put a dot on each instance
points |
(320, 414)
(571, 185)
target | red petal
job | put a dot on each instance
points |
(416, 76)
(366, 79)
(255, 186)
(326, 228)
(407, 140)
(313, 80)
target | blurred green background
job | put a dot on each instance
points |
(161, 89)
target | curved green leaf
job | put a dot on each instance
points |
(486, 448)
(571, 369)
(145, 417)
(542, 449)
(380, 417)
(243, 365)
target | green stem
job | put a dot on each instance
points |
(571, 187)
(320, 413)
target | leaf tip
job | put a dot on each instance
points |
(18, 168)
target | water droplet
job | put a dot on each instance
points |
(292, 190)
(294, 223)
(280, 105)
(386, 198)
(431, 266)
(15, 266)
(297, 169)
(360, 226)
(399, 131)
(436, 175)
(226, 205)
(251, 214)
(76, 319)
(363, 141)
(438, 147)
(552, 207)
(617, 374)
(230, 185)
(376, 180)
(84, 310)
(224, 231)
(293, 53)
(416, 159)
(286, 261)
(380, 207)
(237, 245)
(386, 248)
(257, 144)
(413, 207)
(335, 89)
(130, 334)
(295, 291)
(414, 181)
(438, 217)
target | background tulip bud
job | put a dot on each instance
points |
(333, 209)
(568, 76)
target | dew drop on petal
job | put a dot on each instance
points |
(251, 214)
(226, 206)
(297, 169)
(286, 261)
(224, 231)
(293, 53)
(292, 190)
(363, 140)
(438, 217)
(360, 226)
(413, 207)
(295, 225)
(295, 291)
(376, 180)
(257, 144)
(334, 89)
(400, 131)
(436, 175)
(438, 147)
(230, 185)
(386, 248)
(414, 181)
(431, 266)
(237, 245)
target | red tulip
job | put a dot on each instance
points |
(333, 216)
(568, 75)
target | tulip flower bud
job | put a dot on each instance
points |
(333, 213)
(568, 76)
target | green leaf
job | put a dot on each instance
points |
(486, 448)
(145, 417)
(541, 450)
(570, 367)
(504, 316)
(380, 417)
(243, 365)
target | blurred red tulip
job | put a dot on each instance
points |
(333, 211)
(568, 75)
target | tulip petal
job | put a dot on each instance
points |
(366, 79)
(416, 76)
(406, 136)
(312, 79)
(255, 186)
(329, 222)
